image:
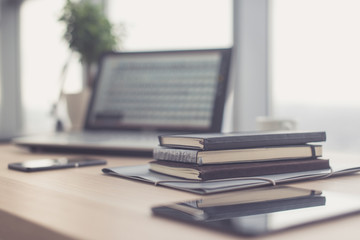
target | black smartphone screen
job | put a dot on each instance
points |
(54, 163)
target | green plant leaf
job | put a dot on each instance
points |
(88, 31)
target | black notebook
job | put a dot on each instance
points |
(236, 170)
(219, 141)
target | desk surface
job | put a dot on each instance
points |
(83, 203)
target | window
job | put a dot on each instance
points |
(315, 64)
(181, 24)
(150, 25)
(43, 54)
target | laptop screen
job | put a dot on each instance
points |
(166, 90)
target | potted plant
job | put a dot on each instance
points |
(89, 33)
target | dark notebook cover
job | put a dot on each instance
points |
(223, 171)
(219, 141)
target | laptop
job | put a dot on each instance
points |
(138, 96)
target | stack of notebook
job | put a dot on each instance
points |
(234, 155)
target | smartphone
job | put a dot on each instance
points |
(54, 163)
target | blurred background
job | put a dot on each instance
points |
(295, 59)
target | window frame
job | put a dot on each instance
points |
(10, 87)
(250, 85)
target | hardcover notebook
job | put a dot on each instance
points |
(140, 95)
(271, 153)
(236, 170)
(222, 141)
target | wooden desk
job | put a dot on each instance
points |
(85, 204)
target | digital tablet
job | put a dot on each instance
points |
(261, 211)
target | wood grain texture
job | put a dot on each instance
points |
(83, 203)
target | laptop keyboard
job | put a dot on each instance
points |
(94, 137)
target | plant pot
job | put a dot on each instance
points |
(76, 104)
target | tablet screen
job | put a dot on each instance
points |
(261, 211)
